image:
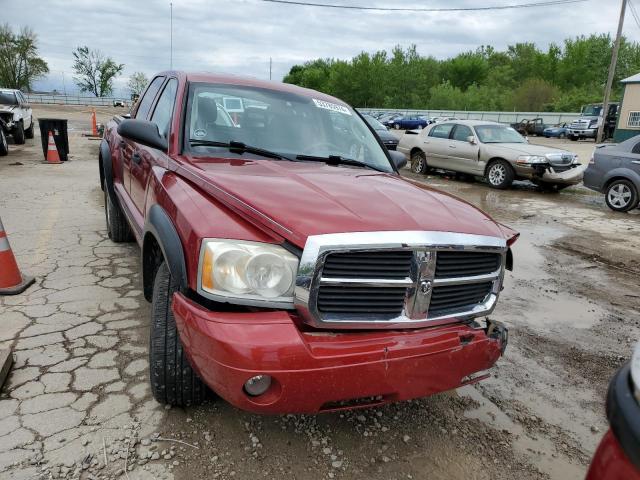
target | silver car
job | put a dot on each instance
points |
(614, 170)
(490, 150)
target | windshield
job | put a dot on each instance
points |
(285, 123)
(498, 134)
(375, 124)
(592, 110)
(8, 98)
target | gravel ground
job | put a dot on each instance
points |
(77, 404)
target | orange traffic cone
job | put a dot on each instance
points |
(52, 151)
(12, 281)
(94, 124)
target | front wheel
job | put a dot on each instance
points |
(18, 133)
(28, 133)
(419, 162)
(500, 175)
(621, 196)
(173, 380)
(4, 146)
(397, 126)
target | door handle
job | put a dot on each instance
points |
(136, 158)
(452, 146)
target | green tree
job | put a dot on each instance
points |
(137, 83)
(95, 73)
(20, 64)
(534, 95)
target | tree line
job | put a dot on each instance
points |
(523, 77)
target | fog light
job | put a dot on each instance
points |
(257, 385)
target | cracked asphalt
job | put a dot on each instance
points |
(77, 403)
(78, 389)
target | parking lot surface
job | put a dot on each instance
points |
(77, 403)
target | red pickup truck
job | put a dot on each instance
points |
(289, 266)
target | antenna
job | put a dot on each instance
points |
(171, 36)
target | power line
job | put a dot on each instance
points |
(634, 13)
(548, 3)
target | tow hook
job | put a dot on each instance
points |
(498, 331)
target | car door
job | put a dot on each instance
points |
(436, 144)
(463, 155)
(145, 158)
(127, 147)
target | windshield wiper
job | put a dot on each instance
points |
(237, 147)
(338, 160)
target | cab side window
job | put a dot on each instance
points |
(636, 148)
(164, 108)
(461, 133)
(441, 131)
(147, 100)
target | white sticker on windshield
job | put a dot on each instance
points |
(331, 106)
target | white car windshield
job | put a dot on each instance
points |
(284, 123)
(498, 134)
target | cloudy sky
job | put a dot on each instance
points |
(239, 36)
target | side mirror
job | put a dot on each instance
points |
(471, 139)
(143, 132)
(398, 159)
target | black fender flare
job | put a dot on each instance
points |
(106, 168)
(160, 228)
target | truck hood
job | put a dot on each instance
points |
(296, 200)
(512, 150)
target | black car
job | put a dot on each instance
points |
(389, 139)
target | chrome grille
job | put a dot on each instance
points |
(361, 300)
(458, 297)
(398, 279)
(466, 264)
(380, 264)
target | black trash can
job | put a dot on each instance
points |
(58, 127)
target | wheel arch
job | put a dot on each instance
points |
(415, 150)
(493, 160)
(162, 242)
(617, 175)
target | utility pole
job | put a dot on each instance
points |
(612, 71)
(270, 67)
(171, 36)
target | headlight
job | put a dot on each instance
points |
(248, 273)
(593, 123)
(531, 159)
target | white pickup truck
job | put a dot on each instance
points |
(16, 115)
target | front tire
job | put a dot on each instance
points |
(621, 196)
(18, 134)
(397, 126)
(419, 162)
(28, 133)
(173, 380)
(500, 175)
(117, 227)
(4, 146)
